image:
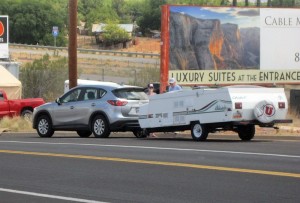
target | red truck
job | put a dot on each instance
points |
(18, 107)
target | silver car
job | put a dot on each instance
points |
(97, 109)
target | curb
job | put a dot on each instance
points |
(3, 130)
(290, 129)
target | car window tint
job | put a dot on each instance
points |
(1, 96)
(71, 96)
(130, 94)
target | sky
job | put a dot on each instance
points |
(244, 17)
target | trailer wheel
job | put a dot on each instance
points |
(199, 131)
(246, 132)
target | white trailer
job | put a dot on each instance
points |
(205, 110)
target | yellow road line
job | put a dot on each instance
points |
(162, 163)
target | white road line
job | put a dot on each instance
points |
(48, 196)
(160, 148)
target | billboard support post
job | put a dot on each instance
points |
(164, 46)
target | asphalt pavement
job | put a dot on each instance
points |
(170, 168)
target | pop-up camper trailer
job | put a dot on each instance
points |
(205, 110)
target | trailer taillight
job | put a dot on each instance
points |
(238, 105)
(281, 105)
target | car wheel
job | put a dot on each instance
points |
(199, 131)
(84, 133)
(27, 115)
(100, 127)
(44, 126)
(140, 133)
(246, 132)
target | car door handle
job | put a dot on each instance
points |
(93, 104)
(71, 107)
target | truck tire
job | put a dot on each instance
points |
(265, 111)
(199, 131)
(246, 132)
(100, 127)
(84, 133)
(27, 114)
(44, 126)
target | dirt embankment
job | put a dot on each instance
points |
(146, 45)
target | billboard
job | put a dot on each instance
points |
(4, 37)
(230, 45)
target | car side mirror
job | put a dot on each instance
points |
(58, 101)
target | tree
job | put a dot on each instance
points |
(44, 78)
(258, 3)
(247, 2)
(113, 34)
(151, 15)
(32, 20)
(133, 8)
(269, 3)
(96, 11)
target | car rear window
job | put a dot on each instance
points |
(130, 94)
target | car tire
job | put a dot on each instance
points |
(100, 127)
(199, 131)
(140, 133)
(27, 114)
(246, 132)
(44, 126)
(84, 133)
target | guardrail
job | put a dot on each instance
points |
(90, 51)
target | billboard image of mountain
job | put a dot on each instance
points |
(214, 38)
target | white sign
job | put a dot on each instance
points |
(280, 39)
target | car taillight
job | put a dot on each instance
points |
(117, 102)
(238, 105)
(281, 105)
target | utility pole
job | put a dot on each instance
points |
(72, 43)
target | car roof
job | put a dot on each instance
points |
(109, 86)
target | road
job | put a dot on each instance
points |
(122, 168)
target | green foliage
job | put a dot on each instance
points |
(114, 34)
(96, 11)
(151, 16)
(134, 9)
(44, 78)
(32, 20)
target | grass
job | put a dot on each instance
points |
(16, 124)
